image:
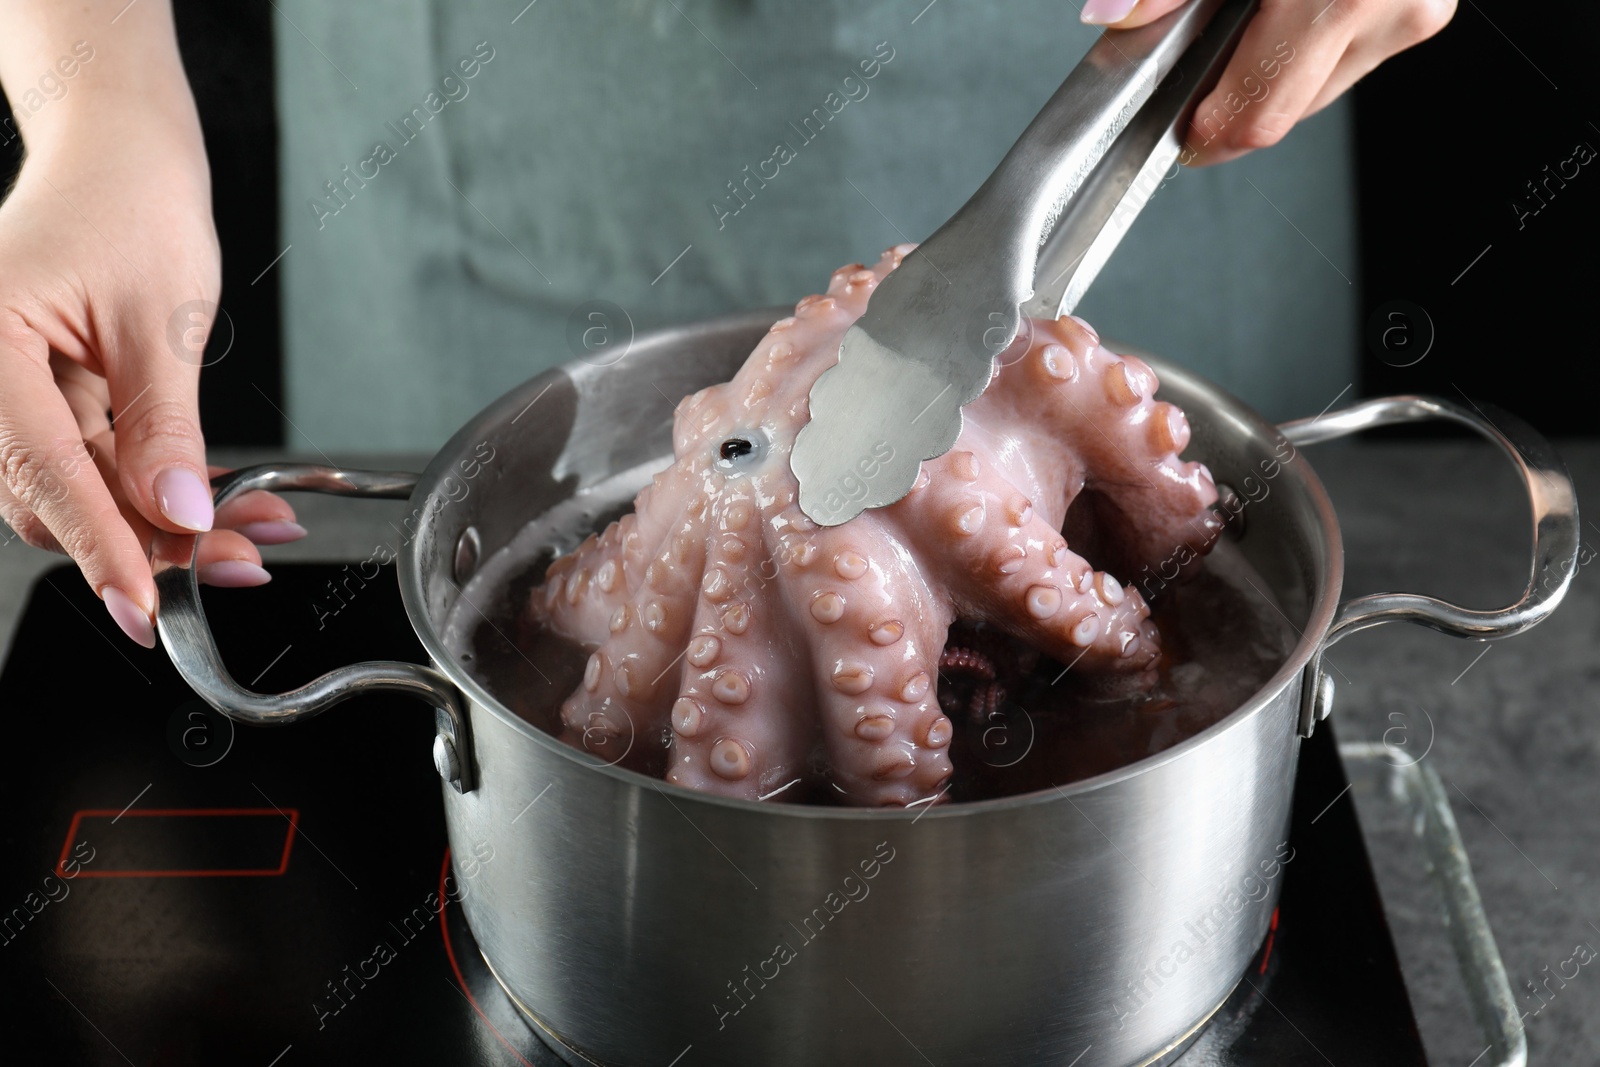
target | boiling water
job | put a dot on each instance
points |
(1222, 640)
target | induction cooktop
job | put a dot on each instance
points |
(178, 890)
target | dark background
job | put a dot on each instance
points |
(1449, 136)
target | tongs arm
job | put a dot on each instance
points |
(926, 345)
(1100, 209)
(1051, 180)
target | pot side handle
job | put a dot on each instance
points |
(181, 622)
(1551, 494)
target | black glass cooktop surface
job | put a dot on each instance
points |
(178, 891)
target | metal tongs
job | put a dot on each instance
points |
(1028, 243)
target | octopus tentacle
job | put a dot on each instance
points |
(1101, 409)
(740, 723)
(585, 587)
(875, 631)
(628, 681)
(1004, 563)
(571, 601)
(1052, 599)
(964, 665)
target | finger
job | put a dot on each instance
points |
(228, 559)
(1356, 64)
(25, 525)
(160, 453)
(102, 452)
(86, 394)
(1282, 62)
(265, 518)
(1126, 14)
(222, 558)
(1411, 25)
(46, 470)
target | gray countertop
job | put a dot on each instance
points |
(1511, 727)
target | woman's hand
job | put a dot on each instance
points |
(107, 255)
(1295, 58)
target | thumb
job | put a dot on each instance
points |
(154, 375)
(1126, 14)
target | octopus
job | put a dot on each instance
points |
(762, 650)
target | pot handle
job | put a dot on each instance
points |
(1555, 531)
(181, 622)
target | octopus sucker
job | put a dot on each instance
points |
(687, 716)
(731, 686)
(1043, 601)
(703, 650)
(877, 727)
(915, 686)
(827, 608)
(1120, 386)
(964, 465)
(886, 631)
(756, 643)
(849, 565)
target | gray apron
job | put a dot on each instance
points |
(462, 182)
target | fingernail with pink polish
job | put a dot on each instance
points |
(233, 574)
(184, 498)
(1103, 12)
(129, 617)
(274, 532)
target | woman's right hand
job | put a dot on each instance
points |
(1332, 44)
(108, 266)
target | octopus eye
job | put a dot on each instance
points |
(742, 449)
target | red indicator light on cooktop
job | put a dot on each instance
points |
(180, 843)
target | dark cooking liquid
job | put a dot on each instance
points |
(1222, 640)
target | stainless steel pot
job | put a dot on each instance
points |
(640, 923)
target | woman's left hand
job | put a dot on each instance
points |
(1295, 58)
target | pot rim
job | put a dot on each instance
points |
(1324, 602)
